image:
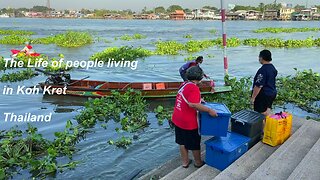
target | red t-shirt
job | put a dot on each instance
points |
(184, 116)
(29, 47)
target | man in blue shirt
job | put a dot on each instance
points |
(264, 84)
(183, 69)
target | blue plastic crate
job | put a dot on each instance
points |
(223, 151)
(215, 126)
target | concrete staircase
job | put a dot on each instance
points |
(297, 158)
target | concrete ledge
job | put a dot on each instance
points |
(309, 167)
(286, 158)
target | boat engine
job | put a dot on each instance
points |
(61, 78)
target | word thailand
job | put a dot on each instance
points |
(27, 117)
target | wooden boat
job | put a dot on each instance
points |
(96, 89)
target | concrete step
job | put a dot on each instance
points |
(204, 173)
(180, 172)
(171, 165)
(251, 160)
(309, 167)
(286, 158)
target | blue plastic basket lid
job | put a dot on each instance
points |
(229, 143)
(221, 109)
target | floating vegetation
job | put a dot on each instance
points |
(16, 32)
(168, 48)
(188, 36)
(69, 39)
(285, 30)
(123, 142)
(73, 39)
(14, 40)
(213, 31)
(163, 114)
(193, 46)
(123, 53)
(280, 43)
(18, 76)
(133, 37)
(301, 89)
(2, 64)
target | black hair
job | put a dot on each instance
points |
(266, 55)
(195, 73)
(199, 59)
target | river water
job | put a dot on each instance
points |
(156, 143)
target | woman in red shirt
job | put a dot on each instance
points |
(27, 49)
(185, 114)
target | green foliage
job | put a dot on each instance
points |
(133, 37)
(16, 32)
(29, 150)
(168, 48)
(18, 76)
(301, 89)
(131, 105)
(123, 142)
(163, 114)
(73, 39)
(285, 30)
(14, 40)
(160, 9)
(251, 42)
(173, 8)
(125, 52)
(188, 36)
(213, 31)
(193, 46)
(2, 64)
(238, 98)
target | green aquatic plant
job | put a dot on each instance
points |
(2, 64)
(29, 150)
(133, 37)
(163, 114)
(123, 53)
(168, 48)
(285, 30)
(193, 46)
(73, 39)
(188, 36)
(14, 40)
(18, 76)
(251, 42)
(16, 32)
(213, 31)
(301, 89)
(123, 142)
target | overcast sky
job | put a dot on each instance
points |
(137, 5)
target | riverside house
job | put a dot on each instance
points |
(271, 14)
(286, 13)
(178, 15)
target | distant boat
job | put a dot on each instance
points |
(4, 16)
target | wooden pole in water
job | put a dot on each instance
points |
(224, 37)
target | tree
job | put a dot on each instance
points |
(298, 8)
(43, 9)
(261, 7)
(210, 7)
(173, 8)
(238, 7)
(160, 10)
(187, 10)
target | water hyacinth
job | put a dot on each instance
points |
(18, 76)
(117, 54)
(15, 32)
(285, 30)
(14, 40)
